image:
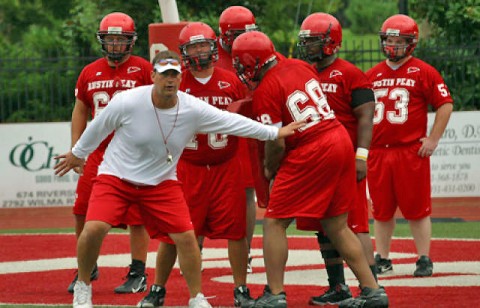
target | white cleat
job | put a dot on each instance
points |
(82, 295)
(199, 301)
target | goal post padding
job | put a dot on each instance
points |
(162, 36)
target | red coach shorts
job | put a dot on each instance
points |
(357, 217)
(162, 207)
(315, 179)
(398, 177)
(84, 190)
(216, 199)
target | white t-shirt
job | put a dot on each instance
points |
(137, 152)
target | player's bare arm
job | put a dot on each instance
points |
(364, 115)
(430, 143)
(80, 116)
(274, 152)
(67, 162)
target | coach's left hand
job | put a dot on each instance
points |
(67, 162)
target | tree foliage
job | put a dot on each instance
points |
(455, 27)
(451, 21)
(367, 16)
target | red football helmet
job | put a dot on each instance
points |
(401, 26)
(117, 24)
(250, 52)
(194, 33)
(320, 30)
(234, 21)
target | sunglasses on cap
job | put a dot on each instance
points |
(164, 65)
(164, 62)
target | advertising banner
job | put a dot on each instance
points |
(455, 164)
(27, 178)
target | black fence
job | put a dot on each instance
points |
(42, 89)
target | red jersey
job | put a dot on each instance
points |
(224, 59)
(278, 100)
(338, 81)
(402, 97)
(98, 82)
(222, 89)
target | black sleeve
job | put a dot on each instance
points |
(362, 96)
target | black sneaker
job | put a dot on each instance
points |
(93, 276)
(368, 298)
(424, 267)
(383, 265)
(242, 298)
(154, 299)
(268, 300)
(332, 296)
(136, 282)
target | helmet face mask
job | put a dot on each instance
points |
(251, 52)
(248, 75)
(198, 46)
(320, 36)
(117, 36)
(395, 48)
(395, 27)
(312, 48)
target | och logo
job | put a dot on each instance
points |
(32, 155)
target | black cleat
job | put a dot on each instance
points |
(368, 298)
(136, 282)
(154, 299)
(424, 267)
(268, 300)
(383, 265)
(332, 296)
(93, 276)
(242, 298)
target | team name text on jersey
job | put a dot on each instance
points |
(216, 100)
(104, 84)
(329, 87)
(389, 82)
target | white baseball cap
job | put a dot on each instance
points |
(164, 65)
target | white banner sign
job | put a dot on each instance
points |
(26, 165)
(456, 161)
(27, 150)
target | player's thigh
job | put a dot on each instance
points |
(358, 215)
(310, 179)
(380, 183)
(412, 185)
(85, 183)
(226, 217)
